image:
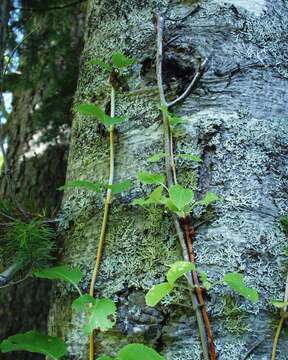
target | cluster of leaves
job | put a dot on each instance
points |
(100, 315)
(118, 61)
(180, 268)
(180, 200)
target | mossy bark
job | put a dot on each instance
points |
(236, 120)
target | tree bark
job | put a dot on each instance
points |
(236, 120)
(37, 135)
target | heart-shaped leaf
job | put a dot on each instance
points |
(150, 178)
(236, 282)
(119, 60)
(209, 198)
(157, 293)
(101, 64)
(35, 342)
(62, 272)
(82, 302)
(119, 187)
(180, 196)
(178, 269)
(102, 316)
(138, 352)
(95, 110)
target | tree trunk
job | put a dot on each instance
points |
(236, 121)
(37, 134)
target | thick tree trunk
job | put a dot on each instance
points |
(237, 121)
(37, 133)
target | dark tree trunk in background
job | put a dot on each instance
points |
(237, 121)
(38, 132)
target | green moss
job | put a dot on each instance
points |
(234, 321)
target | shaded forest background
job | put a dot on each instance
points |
(42, 79)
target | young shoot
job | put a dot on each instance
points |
(178, 199)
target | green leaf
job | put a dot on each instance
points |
(189, 157)
(156, 157)
(279, 304)
(122, 186)
(205, 281)
(174, 120)
(120, 61)
(150, 178)
(82, 302)
(209, 198)
(91, 110)
(236, 282)
(139, 201)
(169, 204)
(154, 198)
(94, 110)
(156, 195)
(105, 358)
(178, 269)
(63, 272)
(35, 342)
(101, 63)
(138, 352)
(102, 316)
(157, 293)
(84, 184)
(180, 196)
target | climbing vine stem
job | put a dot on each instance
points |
(182, 227)
(105, 214)
(283, 317)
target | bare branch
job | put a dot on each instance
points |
(191, 12)
(159, 58)
(197, 76)
(8, 274)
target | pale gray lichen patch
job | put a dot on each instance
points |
(256, 6)
(245, 236)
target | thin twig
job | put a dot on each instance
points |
(189, 234)
(16, 282)
(171, 177)
(197, 76)
(283, 317)
(159, 59)
(190, 13)
(7, 274)
(253, 347)
(105, 217)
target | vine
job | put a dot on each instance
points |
(100, 313)
(182, 227)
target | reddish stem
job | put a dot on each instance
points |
(189, 235)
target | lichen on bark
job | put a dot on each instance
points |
(237, 128)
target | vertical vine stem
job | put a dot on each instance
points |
(181, 226)
(105, 214)
(283, 317)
